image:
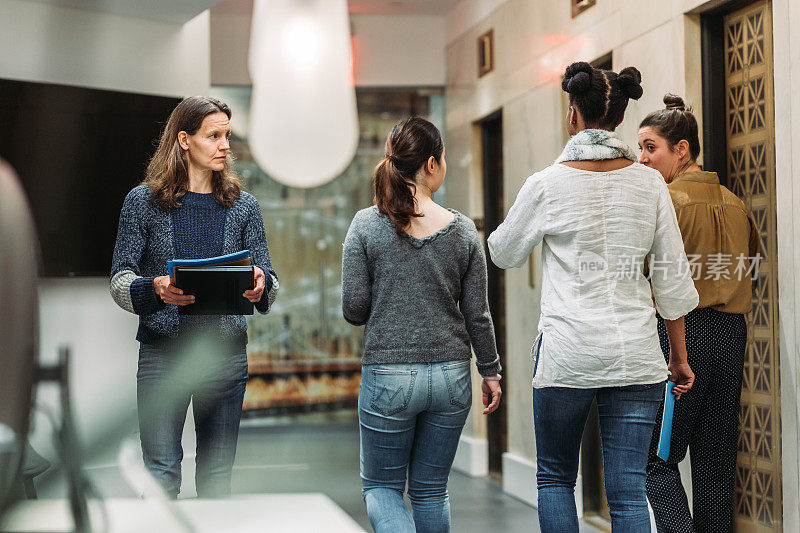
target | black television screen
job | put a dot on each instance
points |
(78, 152)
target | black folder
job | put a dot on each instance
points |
(217, 290)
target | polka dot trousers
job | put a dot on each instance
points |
(706, 421)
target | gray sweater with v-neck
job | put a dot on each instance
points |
(422, 300)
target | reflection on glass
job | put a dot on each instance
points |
(303, 356)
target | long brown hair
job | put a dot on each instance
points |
(168, 171)
(408, 147)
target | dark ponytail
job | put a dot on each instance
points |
(408, 147)
(601, 95)
(674, 123)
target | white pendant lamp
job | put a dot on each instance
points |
(303, 119)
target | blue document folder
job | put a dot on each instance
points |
(236, 258)
(666, 422)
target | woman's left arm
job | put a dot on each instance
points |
(512, 242)
(356, 279)
(266, 281)
(474, 305)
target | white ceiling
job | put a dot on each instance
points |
(175, 11)
(401, 7)
(366, 7)
(180, 11)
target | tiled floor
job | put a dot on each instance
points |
(324, 458)
(301, 456)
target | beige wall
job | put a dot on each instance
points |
(534, 41)
(398, 51)
(389, 51)
(786, 45)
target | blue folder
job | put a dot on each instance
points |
(666, 422)
(219, 260)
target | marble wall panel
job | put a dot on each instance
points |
(786, 46)
(658, 75)
(458, 152)
(526, 151)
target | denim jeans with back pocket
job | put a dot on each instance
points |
(411, 417)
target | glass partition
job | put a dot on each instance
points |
(303, 356)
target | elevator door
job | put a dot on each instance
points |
(750, 135)
(492, 157)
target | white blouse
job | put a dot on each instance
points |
(598, 326)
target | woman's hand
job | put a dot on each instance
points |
(682, 375)
(259, 282)
(169, 293)
(678, 367)
(491, 387)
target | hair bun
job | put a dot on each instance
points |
(673, 101)
(629, 82)
(577, 78)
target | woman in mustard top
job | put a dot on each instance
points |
(723, 247)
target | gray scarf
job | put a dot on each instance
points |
(594, 145)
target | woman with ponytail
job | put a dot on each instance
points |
(720, 235)
(414, 273)
(598, 214)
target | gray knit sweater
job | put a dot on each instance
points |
(422, 300)
(146, 242)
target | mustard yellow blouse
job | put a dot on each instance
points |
(720, 239)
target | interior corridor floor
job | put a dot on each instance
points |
(319, 454)
(324, 458)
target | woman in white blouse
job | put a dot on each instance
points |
(599, 215)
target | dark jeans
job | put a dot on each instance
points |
(627, 416)
(411, 417)
(706, 421)
(214, 381)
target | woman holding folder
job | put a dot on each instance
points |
(722, 241)
(190, 206)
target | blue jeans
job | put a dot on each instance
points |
(627, 417)
(411, 417)
(165, 383)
